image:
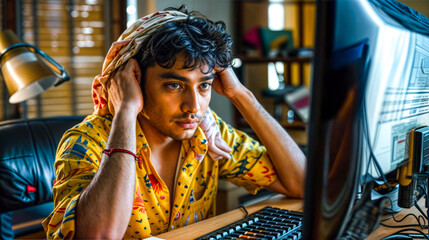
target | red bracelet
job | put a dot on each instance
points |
(109, 151)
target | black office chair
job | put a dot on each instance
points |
(27, 155)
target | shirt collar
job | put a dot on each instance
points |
(197, 143)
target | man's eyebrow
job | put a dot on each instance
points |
(184, 79)
(208, 77)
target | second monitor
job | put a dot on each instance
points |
(370, 87)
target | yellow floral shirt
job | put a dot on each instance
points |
(78, 158)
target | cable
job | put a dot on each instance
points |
(420, 210)
(418, 207)
(245, 210)
(372, 155)
(401, 232)
(397, 236)
(399, 226)
(402, 219)
(424, 221)
(366, 171)
(423, 190)
(364, 132)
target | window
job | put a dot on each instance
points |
(72, 33)
(131, 12)
(276, 21)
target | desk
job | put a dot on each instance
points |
(198, 229)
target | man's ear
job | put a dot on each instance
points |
(143, 89)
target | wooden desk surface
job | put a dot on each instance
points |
(198, 229)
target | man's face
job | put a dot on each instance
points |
(176, 99)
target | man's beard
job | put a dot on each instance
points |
(154, 119)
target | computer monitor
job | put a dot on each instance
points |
(370, 87)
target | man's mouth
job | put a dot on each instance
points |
(188, 123)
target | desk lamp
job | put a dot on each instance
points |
(26, 73)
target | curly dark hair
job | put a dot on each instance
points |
(203, 42)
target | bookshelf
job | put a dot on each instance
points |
(299, 18)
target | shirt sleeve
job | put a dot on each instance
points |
(250, 167)
(77, 161)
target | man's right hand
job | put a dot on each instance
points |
(113, 185)
(124, 89)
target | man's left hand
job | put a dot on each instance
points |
(217, 147)
(227, 83)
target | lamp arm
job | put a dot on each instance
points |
(64, 75)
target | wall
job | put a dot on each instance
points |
(421, 6)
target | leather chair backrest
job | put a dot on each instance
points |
(27, 156)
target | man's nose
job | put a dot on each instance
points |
(191, 101)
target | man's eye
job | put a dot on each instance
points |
(173, 86)
(205, 86)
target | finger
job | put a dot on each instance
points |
(216, 154)
(138, 75)
(108, 84)
(135, 67)
(129, 66)
(221, 144)
(219, 69)
(217, 85)
(116, 72)
(225, 155)
(120, 68)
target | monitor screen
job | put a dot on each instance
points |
(370, 87)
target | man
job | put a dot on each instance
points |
(139, 165)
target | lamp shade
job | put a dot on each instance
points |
(26, 70)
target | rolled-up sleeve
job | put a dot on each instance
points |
(76, 163)
(250, 167)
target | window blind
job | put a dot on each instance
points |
(72, 33)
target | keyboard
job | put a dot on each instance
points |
(267, 223)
